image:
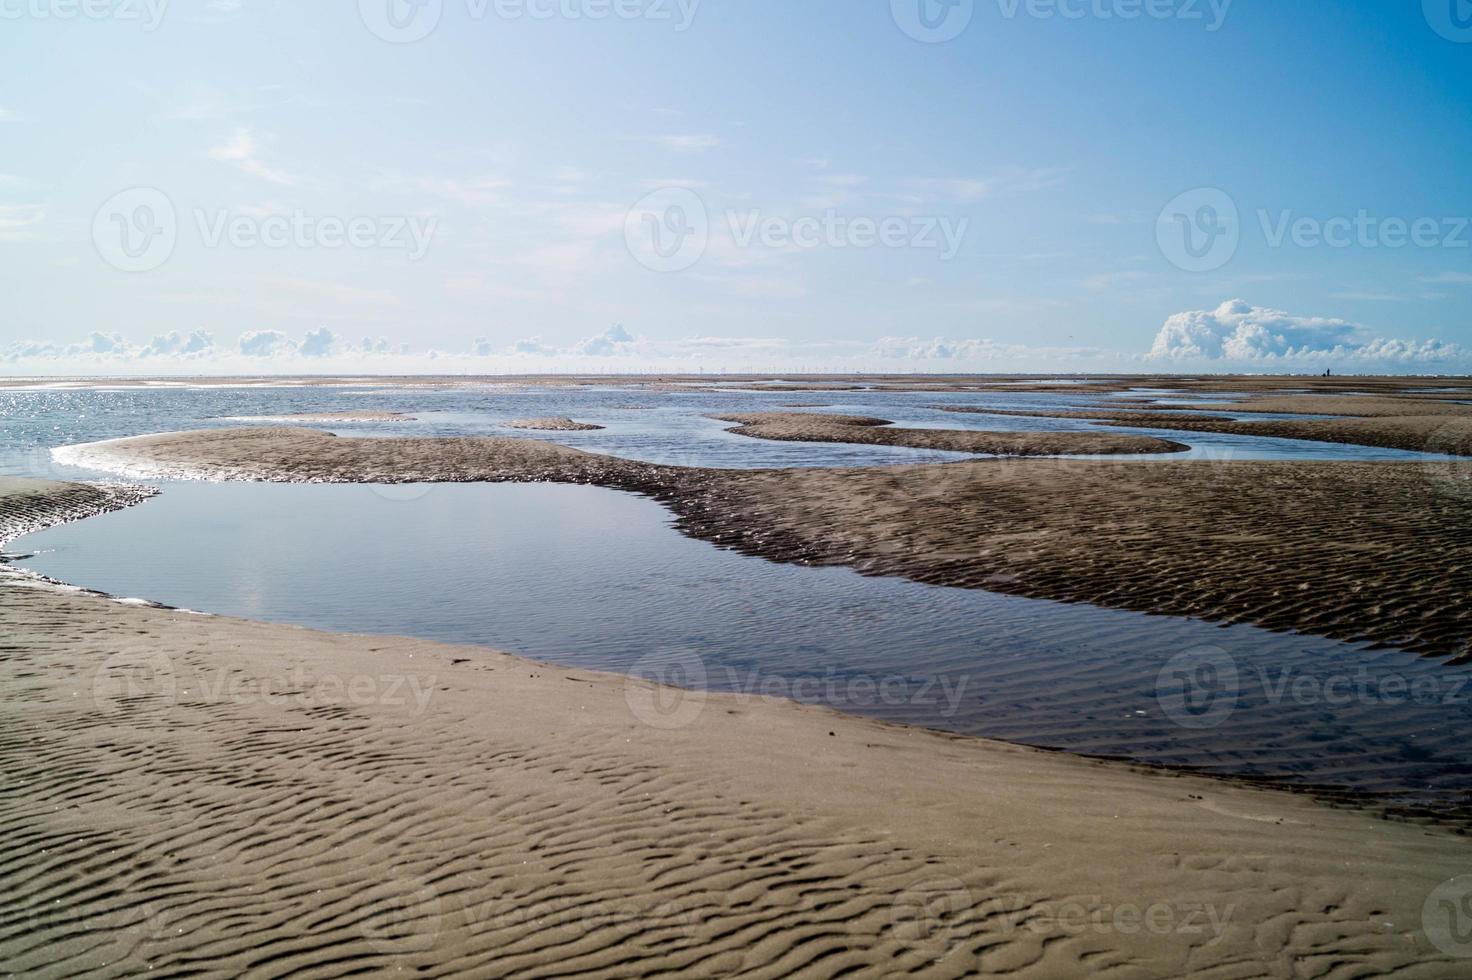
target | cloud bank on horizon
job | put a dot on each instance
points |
(1236, 336)
(1241, 334)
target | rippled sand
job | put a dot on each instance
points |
(192, 794)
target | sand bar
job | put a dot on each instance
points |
(819, 427)
(1447, 433)
(1336, 549)
(553, 425)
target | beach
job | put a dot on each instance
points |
(195, 793)
(213, 794)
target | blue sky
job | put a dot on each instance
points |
(253, 185)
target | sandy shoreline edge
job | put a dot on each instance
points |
(383, 803)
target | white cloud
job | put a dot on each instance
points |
(242, 151)
(266, 343)
(197, 343)
(100, 343)
(318, 343)
(17, 219)
(611, 342)
(615, 340)
(24, 350)
(1237, 331)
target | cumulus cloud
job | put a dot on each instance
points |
(613, 341)
(24, 350)
(318, 343)
(98, 346)
(174, 344)
(1238, 331)
(532, 345)
(101, 343)
(266, 343)
(199, 349)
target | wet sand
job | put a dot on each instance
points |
(1336, 549)
(1446, 433)
(553, 425)
(28, 505)
(817, 427)
(197, 794)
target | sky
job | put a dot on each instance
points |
(492, 186)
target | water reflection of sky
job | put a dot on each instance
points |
(589, 577)
(654, 424)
